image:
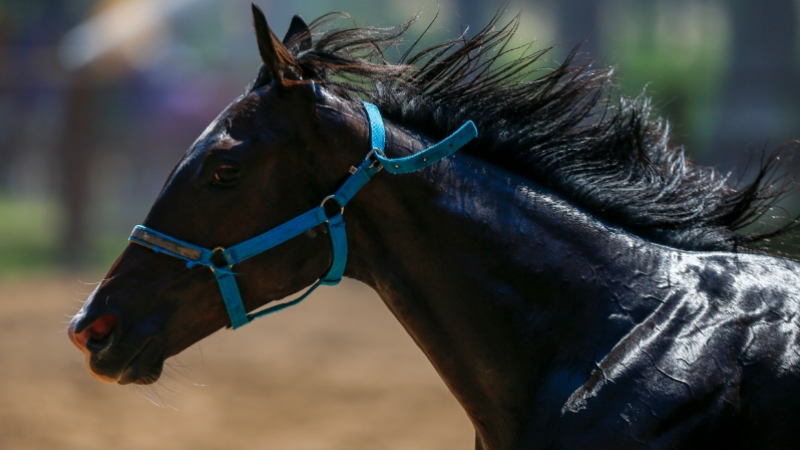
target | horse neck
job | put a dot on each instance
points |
(505, 287)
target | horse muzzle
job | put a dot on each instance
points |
(99, 337)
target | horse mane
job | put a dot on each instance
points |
(555, 126)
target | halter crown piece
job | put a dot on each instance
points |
(221, 260)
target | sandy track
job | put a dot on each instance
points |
(336, 372)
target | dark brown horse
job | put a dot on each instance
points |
(575, 282)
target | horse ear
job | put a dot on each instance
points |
(277, 59)
(299, 34)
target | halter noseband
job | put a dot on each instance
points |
(221, 260)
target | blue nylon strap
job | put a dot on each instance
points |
(161, 243)
(226, 278)
(339, 244)
(230, 295)
(282, 306)
(194, 255)
(376, 130)
(433, 154)
(331, 278)
(423, 159)
(356, 181)
(275, 236)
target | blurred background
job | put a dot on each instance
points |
(99, 100)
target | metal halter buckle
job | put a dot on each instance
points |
(371, 154)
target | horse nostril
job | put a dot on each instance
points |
(101, 327)
(97, 336)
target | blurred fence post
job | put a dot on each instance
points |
(75, 161)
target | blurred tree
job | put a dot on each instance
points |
(760, 95)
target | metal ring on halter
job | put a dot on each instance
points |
(218, 264)
(324, 200)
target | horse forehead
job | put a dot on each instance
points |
(216, 135)
(240, 119)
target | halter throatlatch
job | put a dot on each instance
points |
(221, 260)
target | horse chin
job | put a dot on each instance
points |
(99, 376)
(145, 367)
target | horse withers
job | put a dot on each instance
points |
(576, 283)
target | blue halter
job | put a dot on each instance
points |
(221, 260)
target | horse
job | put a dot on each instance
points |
(572, 277)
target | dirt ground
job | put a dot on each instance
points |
(335, 372)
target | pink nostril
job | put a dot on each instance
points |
(101, 327)
(94, 339)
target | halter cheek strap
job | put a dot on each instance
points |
(221, 260)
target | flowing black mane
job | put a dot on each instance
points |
(555, 126)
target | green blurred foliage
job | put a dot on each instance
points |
(676, 53)
(28, 236)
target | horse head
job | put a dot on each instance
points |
(270, 150)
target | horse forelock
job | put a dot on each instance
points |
(555, 126)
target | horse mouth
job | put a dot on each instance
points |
(106, 362)
(145, 366)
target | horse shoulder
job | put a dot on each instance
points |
(721, 349)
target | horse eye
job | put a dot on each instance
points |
(226, 176)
